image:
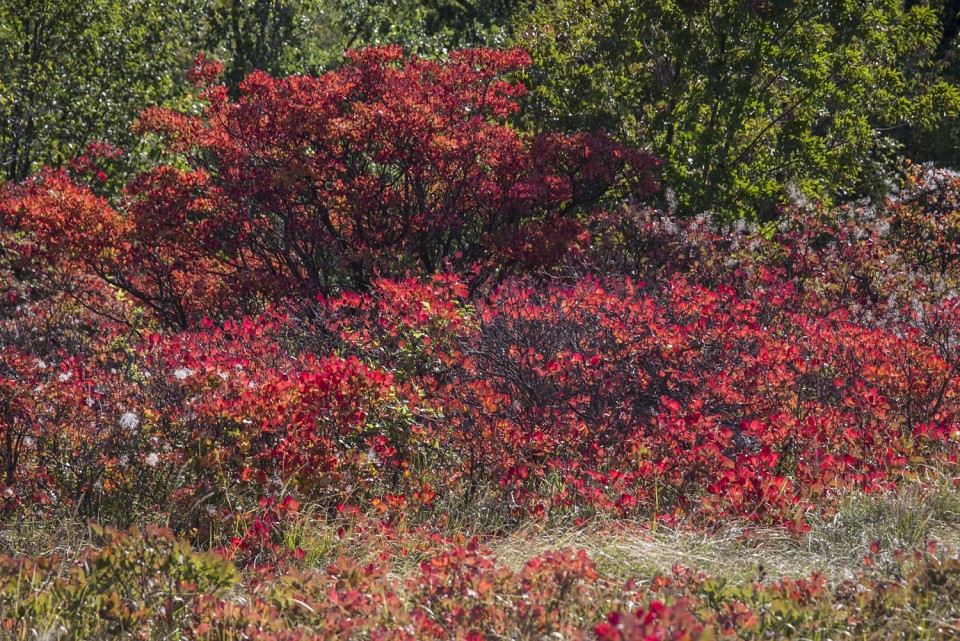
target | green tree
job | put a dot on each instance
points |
(748, 103)
(940, 145)
(78, 71)
(280, 37)
(431, 27)
(284, 37)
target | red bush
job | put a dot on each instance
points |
(671, 368)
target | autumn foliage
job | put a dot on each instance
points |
(368, 293)
(314, 185)
(732, 373)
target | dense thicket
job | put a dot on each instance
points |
(424, 291)
(443, 294)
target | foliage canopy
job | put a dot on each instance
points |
(749, 103)
(74, 72)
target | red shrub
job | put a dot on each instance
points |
(307, 185)
(617, 396)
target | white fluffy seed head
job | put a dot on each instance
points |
(182, 373)
(129, 421)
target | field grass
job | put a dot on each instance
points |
(858, 548)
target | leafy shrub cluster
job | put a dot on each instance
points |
(135, 581)
(749, 372)
(366, 293)
(150, 586)
(314, 185)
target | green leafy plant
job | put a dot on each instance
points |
(750, 104)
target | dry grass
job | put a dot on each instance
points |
(62, 535)
(835, 545)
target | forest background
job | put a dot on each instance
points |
(748, 105)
